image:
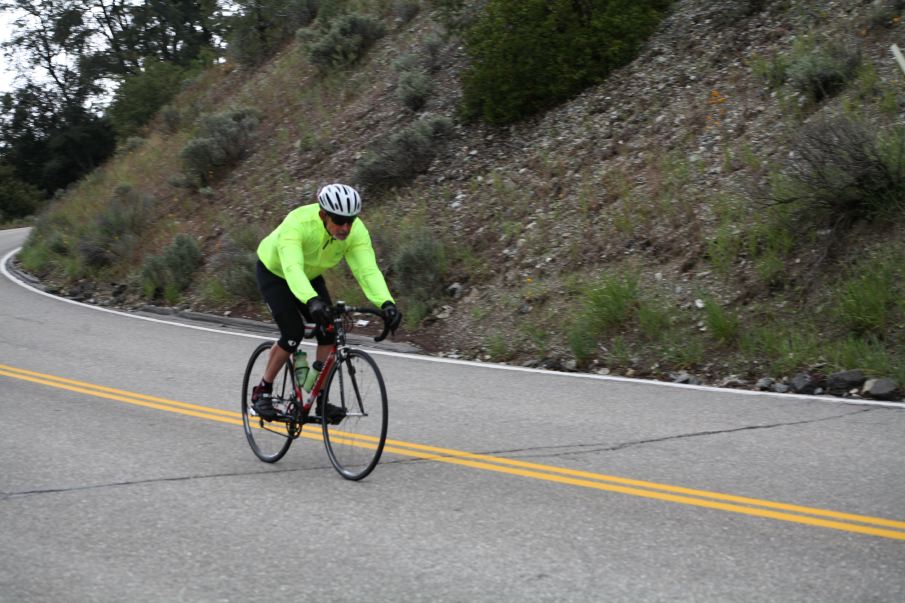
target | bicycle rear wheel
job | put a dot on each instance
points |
(269, 440)
(355, 444)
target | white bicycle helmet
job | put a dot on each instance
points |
(340, 200)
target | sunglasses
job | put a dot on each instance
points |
(341, 220)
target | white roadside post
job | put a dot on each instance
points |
(899, 58)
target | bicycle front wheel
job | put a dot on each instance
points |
(269, 440)
(355, 443)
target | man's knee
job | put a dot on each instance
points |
(326, 338)
(292, 330)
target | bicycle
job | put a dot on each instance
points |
(349, 379)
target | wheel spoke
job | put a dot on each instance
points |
(355, 444)
(269, 440)
(358, 399)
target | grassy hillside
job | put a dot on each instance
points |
(728, 204)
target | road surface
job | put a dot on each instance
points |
(126, 477)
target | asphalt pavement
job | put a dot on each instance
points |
(126, 476)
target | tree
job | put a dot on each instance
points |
(176, 31)
(50, 145)
(50, 133)
(17, 199)
(141, 95)
(55, 42)
(261, 28)
(74, 52)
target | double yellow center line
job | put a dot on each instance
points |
(848, 522)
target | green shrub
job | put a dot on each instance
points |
(414, 82)
(35, 257)
(154, 276)
(407, 62)
(785, 348)
(414, 88)
(433, 44)
(537, 335)
(201, 158)
(221, 141)
(723, 248)
(773, 71)
(405, 155)
(500, 346)
(419, 265)
(867, 301)
(171, 272)
(117, 231)
(654, 320)
(183, 259)
(582, 344)
(769, 241)
(612, 303)
(47, 245)
(233, 265)
(240, 280)
(721, 324)
(869, 354)
(345, 42)
(329, 10)
(823, 71)
(512, 75)
(845, 170)
(683, 352)
(231, 130)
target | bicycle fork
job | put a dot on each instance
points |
(349, 412)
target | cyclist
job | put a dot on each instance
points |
(291, 262)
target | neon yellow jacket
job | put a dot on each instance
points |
(301, 248)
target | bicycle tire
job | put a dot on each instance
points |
(355, 444)
(269, 440)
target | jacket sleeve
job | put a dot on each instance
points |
(363, 263)
(289, 246)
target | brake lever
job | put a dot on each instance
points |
(386, 328)
(379, 313)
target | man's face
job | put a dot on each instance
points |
(338, 226)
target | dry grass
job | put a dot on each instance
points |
(549, 215)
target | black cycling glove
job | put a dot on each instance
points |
(318, 311)
(392, 314)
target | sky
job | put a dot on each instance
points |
(6, 75)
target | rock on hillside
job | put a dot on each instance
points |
(691, 101)
(635, 174)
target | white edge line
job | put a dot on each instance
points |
(470, 363)
(21, 283)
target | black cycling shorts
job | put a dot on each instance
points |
(289, 312)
